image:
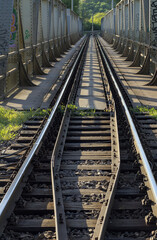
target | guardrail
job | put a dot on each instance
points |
(133, 21)
(32, 35)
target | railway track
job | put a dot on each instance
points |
(13, 156)
(86, 180)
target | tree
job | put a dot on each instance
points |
(95, 8)
(75, 2)
(88, 8)
(97, 18)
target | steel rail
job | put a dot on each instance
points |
(60, 220)
(18, 179)
(136, 137)
(102, 221)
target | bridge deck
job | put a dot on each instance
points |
(41, 95)
(90, 93)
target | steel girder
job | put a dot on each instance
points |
(32, 34)
(134, 32)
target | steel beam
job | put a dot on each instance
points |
(6, 18)
(135, 31)
(32, 33)
(153, 22)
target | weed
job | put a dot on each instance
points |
(78, 112)
(151, 111)
(11, 121)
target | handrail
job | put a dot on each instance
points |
(136, 137)
(18, 179)
(132, 40)
(30, 47)
(3, 57)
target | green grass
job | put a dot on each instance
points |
(151, 111)
(11, 121)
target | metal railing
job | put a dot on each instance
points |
(7, 200)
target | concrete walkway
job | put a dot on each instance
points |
(134, 83)
(90, 94)
(38, 96)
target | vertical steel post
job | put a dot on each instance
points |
(5, 27)
(112, 4)
(129, 20)
(153, 22)
(114, 14)
(136, 20)
(126, 21)
(114, 19)
(72, 5)
(145, 7)
(92, 23)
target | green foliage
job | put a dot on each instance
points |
(11, 121)
(75, 2)
(96, 20)
(78, 112)
(142, 109)
(86, 112)
(87, 8)
(72, 107)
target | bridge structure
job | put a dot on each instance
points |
(33, 34)
(132, 29)
(84, 163)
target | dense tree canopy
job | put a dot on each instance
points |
(95, 8)
(75, 2)
(88, 8)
